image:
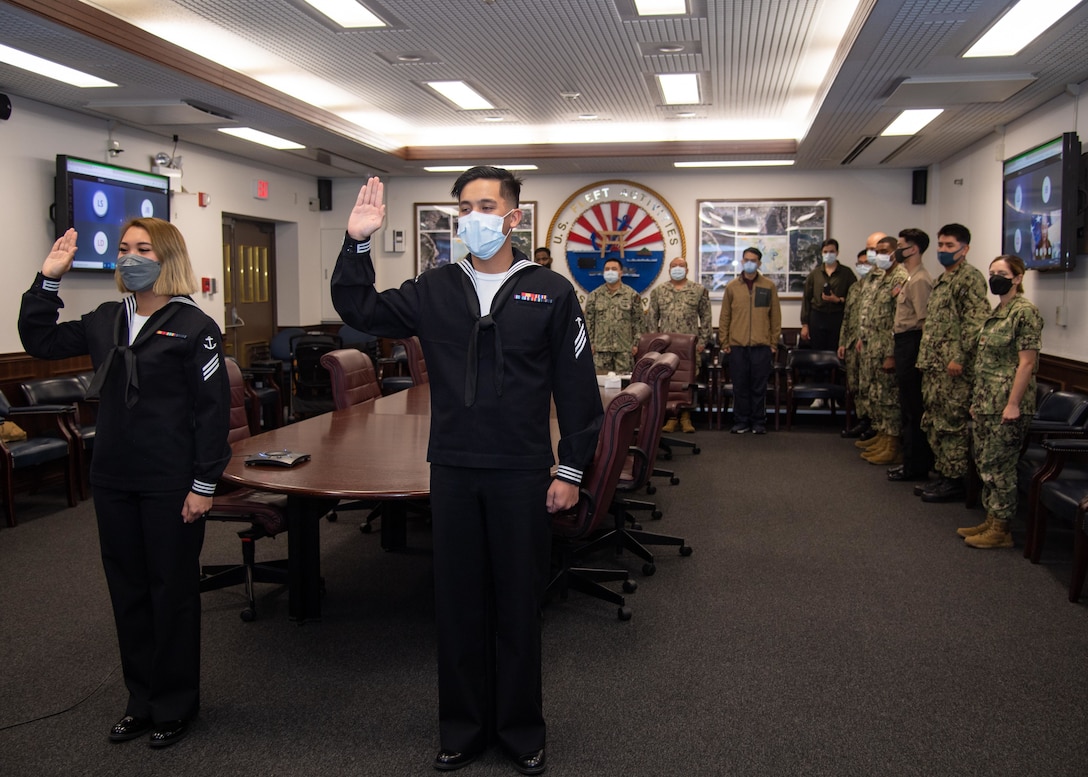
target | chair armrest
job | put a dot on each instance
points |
(43, 410)
(1066, 445)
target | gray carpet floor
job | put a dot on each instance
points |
(828, 623)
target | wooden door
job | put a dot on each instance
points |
(249, 285)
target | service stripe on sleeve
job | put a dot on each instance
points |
(211, 367)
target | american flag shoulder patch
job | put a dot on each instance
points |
(580, 337)
(211, 367)
(532, 296)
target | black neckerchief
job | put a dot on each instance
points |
(484, 323)
(124, 350)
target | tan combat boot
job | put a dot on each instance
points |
(889, 454)
(997, 535)
(670, 426)
(972, 531)
(685, 422)
(874, 450)
(868, 444)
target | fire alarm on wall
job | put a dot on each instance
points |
(203, 199)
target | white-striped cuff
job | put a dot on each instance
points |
(363, 247)
(50, 284)
(569, 475)
(203, 488)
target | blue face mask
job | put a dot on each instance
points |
(864, 269)
(482, 233)
(138, 273)
(831, 258)
(946, 258)
(750, 267)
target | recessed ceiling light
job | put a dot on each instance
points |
(587, 116)
(686, 115)
(462, 168)
(43, 67)
(671, 48)
(1023, 23)
(462, 95)
(910, 122)
(349, 14)
(263, 138)
(679, 88)
(738, 163)
(493, 118)
(409, 58)
(661, 7)
(572, 95)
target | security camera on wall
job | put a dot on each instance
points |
(5, 107)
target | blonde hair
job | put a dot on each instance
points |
(177, 275)
(1016, 267)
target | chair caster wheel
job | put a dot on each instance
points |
(331, 517)
(685, 550)
(624, 613)
(656, 515)
(630, 586)
(696, 450)
(248, 615)
(649, 568)
(651, 488)
(636, 526)
(365, 528)
(674, 480)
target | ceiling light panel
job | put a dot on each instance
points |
(462, 95)
(262, 138)
(911, 122)
(679, 88)
(44, 67)
(661, 7)
(349, 14)
(1019, 28)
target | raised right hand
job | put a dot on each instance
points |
(60, 258)
(369, 211)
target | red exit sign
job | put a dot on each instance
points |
(260, 189)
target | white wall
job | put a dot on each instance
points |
(861, 202)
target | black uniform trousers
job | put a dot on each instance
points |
(152, 561)
(917, 455)
(823, 329)
(750, 369)
(492, 549)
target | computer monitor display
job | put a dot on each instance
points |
(97, 199)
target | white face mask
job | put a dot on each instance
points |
(883, 261)
(678, 273)
(482, 233)
(831, 258)
(864, 269)
(611, 276)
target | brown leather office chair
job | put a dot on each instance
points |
(571, 530)
(653, 342)
(50, 443)
(682, 387)
(417, 367)
(265, 513)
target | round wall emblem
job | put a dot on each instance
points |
(616, 220)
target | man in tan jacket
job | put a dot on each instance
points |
(748, 329)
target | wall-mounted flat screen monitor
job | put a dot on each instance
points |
(97, 199)
(1040, 213)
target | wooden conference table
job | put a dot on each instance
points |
(374, 451)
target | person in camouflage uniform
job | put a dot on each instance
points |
(876, 346)
(615, 321)
(1003, 400)
(680, 306)
(848, 342)
(946, 355)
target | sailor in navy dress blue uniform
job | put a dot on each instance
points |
(160, 447)
(502, 337)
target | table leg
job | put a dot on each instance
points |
(394, 524)
(304, 556)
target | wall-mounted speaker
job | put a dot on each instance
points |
(324, 194)
(919, 186)
(5, 107)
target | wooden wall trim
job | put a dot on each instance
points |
(1069, 374)
(17, 367)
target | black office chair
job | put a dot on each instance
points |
(69, 390)
(812, 374)
(311, 387)
(571, 530)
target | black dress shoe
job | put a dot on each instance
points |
(532, 763)
(450, 760)
(858, 429)
(128, 728)
(868, 434)
(945, 490)
(901, 475)
(169, 733)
